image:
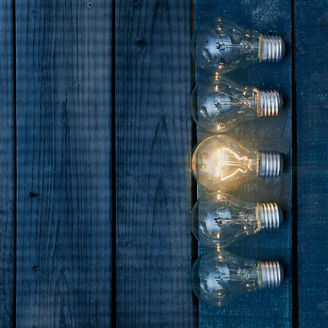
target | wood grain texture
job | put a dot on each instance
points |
(153, 175)
(312, 153)
(7, 165)
(64, 163)
(267, 308)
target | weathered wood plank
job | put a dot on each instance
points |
(312, 153)
(268, 308)
(64, 163)
(7, 165)
(153, 177)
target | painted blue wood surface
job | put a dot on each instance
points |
(63, 163)
(64, 127)
(312, 154)
(153, 141)
(7, 165)
(267, 308)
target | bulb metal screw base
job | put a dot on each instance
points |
(270, 103)
(270, 215)
(270, 164)
(271, 274)
(271, 48)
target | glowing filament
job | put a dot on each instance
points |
(229, 164)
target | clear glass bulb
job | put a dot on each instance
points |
(223, 46)
(219, 277)
(221, 163)
(219, 220)
(218, 103)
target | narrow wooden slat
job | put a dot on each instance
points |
(312, 154)
(153, 177)
(64, 163)
(266, 308)
(7, 165)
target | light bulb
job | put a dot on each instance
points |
(223, 46)
(219, 220)
(219, 103)
(221, 163)
(219, 277)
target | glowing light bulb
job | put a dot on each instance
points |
(219, 277)
(220, 163)
(219, 220)
(223, 46)
(219, 104)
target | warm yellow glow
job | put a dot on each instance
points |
(221, 164)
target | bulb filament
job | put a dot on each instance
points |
(223, 153)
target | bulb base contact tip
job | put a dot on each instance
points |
(271, 164)
(271, 215)
(270, 103)
(271, 274)
(271, 48)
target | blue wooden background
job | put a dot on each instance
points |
(95, 144)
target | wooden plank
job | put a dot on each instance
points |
(64, 163)
(153, 149)
(7, 165)
(268, 308)
(312, 153)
